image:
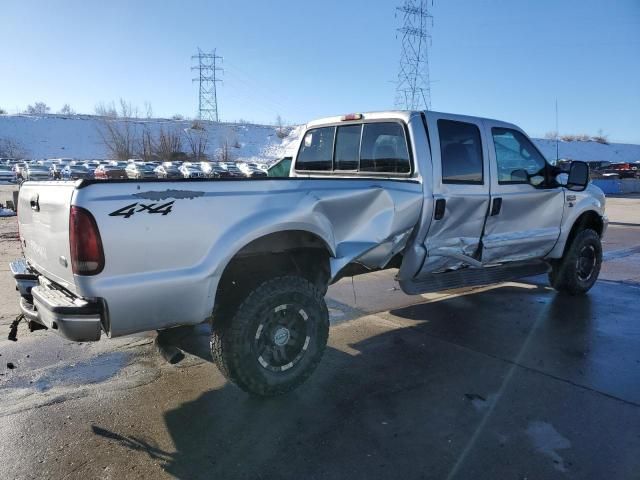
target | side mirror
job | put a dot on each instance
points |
(578, 176)
(519, 175)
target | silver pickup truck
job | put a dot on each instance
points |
(449, 200)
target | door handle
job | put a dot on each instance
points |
(438, 211)
(496, 205)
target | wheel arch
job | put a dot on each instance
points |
(299, 252)
(589, 219)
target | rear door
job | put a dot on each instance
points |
(43, 216)
(527, 203)
(460, 189)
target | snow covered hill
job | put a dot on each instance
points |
(589, 151)
(78, 136)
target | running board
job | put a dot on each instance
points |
(471, 277)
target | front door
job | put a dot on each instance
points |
(526, 202)
(461, 192)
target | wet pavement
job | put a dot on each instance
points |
(509, 381)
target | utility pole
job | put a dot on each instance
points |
(413, 88)
(207, 79)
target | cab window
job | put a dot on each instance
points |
(347, 147)
(460, 152)
(316, 151)
(518, 160)
(384, 148)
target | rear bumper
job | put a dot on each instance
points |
(45, 303)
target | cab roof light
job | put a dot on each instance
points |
(351, 116)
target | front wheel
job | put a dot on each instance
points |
(275, 339)
(579, 268)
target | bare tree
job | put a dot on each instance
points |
(198, 140)
(118, 129)
(553, 135)
(66, 110)
(38, 108)
(169, 144)
(2, 111)
(148, 109)
(224, 153)
(282, 131)
(11, 148)
(106, 110)
(601, 138)
(147, 145)
(177, 116)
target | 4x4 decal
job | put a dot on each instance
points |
(130, 210)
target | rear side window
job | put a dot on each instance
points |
(384, 148)
(347, 147)
(460, 152)
(316, 152)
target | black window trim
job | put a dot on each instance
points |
(356, 174)
(335, 141)
(520, 182)
(461, 182)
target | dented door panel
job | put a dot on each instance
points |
(527, 226)
(456, 235)
(459, 235)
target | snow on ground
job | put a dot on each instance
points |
(78, 136)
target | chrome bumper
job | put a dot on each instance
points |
(46, 303)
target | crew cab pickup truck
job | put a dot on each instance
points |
(450, 201)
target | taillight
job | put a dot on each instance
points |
(87, 255)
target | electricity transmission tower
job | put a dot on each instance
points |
(207, 79)
(413, 90)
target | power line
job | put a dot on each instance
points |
(207, 81)
(413, 88)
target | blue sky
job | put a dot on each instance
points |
(504, 59)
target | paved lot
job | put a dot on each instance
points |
(512, 381)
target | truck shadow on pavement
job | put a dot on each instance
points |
(418, 400)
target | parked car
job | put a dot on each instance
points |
(137, 171)
(256, 170)
(35, 171)
(19, 170)
(76, 172)
(190, 170)
(109, 172)
(232, 169)
(623, 170)
(220, 172)
(168, 171)
(7, 174)
(365, 193)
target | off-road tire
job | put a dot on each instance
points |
(234, 335)
(565, 275)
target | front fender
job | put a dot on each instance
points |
(591, 199)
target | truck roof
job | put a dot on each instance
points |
(403, 115)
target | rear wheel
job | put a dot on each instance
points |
(578, 270)
(275, 339)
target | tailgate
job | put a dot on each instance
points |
(43, 216)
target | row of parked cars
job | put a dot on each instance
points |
(14, 170)
(604, 170)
